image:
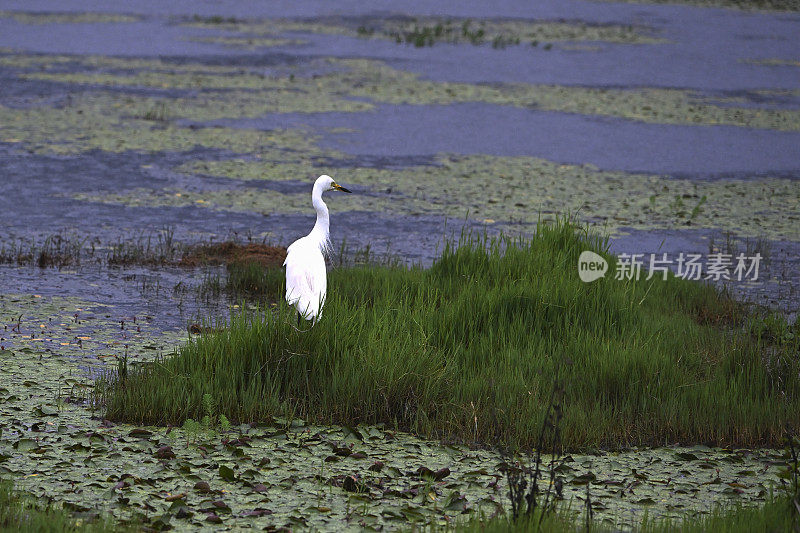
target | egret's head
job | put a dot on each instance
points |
(326, 183)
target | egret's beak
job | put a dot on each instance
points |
(339, 187)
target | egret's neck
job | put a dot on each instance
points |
(321, 231)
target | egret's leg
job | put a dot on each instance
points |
(298, 319)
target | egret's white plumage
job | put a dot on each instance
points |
(306, 276)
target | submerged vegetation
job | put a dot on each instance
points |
(467, 350)
(22, 512)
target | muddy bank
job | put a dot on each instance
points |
(230, 253)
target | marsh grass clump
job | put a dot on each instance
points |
(466, 350)
(56, 250)
(246, 279)
(65, 248)
(426, 34)
(254, 271)
(215, 19)
(792, 475)
(59, 251)
(351, 256)
(251, 278)
(158, 113)
(535, 490)
(153, 249)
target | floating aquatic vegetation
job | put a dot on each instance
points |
(773, 62)
(266, 202)
(16, 59)
(614, 199)
(531, 187)
(120, 124)
(346, 83)
(249, 43)
(31, 17)
(381, 83)
(776, 5)
(87, 332)
(167, 80)
(427, 31)
(499, 33)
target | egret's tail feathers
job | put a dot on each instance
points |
(307, 306)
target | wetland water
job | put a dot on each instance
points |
(672, 128)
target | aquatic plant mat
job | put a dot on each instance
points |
(467, 351)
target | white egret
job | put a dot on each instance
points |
(306, 276)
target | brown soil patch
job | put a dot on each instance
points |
(228, 253)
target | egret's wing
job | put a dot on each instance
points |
(299, 279)
(305, 279)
